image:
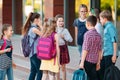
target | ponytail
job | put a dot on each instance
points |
(27, 24)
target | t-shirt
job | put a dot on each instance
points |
(81, 30)
(33, 40)
(6, 58)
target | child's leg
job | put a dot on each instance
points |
(45, 74)
(51, 75)
(2, 74)
(64, 72)
(10, 73)
(57, 76)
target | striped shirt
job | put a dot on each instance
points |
(93, 44)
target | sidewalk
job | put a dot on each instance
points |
(23, 65)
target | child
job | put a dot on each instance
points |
(6, 53)
(79, 25)
(110, 41)
(91, 49)
(31, 27)
(50, 67)
(64, 37)
(98, 27)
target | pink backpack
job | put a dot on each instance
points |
(46, 49)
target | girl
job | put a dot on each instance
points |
(80, 27)
(6, 53)
(51, 67)
(31, 27)
(64, 36)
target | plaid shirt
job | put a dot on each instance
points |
(93, 44)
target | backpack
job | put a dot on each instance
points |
(26, 48)
(79, 74)
(46, 48)
(112, 73)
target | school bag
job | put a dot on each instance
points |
(46, 48)
(79, 74)
(26, 48)
(112, 73)
(5, 61)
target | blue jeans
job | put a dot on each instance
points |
(8, 72)
(80, 49)
(35, 65)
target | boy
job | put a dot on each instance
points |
(79, 25)
(91, 50)
(110, 41)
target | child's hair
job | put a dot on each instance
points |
(83, 6)
(95, 12)
(49, 26)
(92, 20)
(106, 14)
(5, 28)
(58, 16)
(30, 19)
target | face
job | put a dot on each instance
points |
(60, 22)
(87, 25)
(9, 31)
(102, 20)
(83, 12)
(38, 21)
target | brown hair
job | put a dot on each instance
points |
(58, 16)
(49, 27)
(5, 28)
(30, 19)
(106, 14)
(92, 20)
(83, 6)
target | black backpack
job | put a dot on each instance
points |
(112, 73)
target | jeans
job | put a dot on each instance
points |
(35, 65)
(80, 50)
(8, 72)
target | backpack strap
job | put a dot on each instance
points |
(52, 35)
(4, 44)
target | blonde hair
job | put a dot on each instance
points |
(106, 14)
(49, 27)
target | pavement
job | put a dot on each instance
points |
(21, 71)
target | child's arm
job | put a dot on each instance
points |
(76, 34)
(57, 48)
(84, 53)
(67, 37)
(5, 50)
(37, 31)
(115, 52)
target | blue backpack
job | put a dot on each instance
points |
(79, 74)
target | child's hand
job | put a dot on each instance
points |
(14, 65)
(62, 36)
(8, 50)
(113, 59)
(97, 67)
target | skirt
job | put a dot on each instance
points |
(64, 54)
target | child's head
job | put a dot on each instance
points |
(83, 11)
(105, 16)
(7, 30)
(32, 18)
(91, 22)
(59, 20)
(49, 26)
(95, 12)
